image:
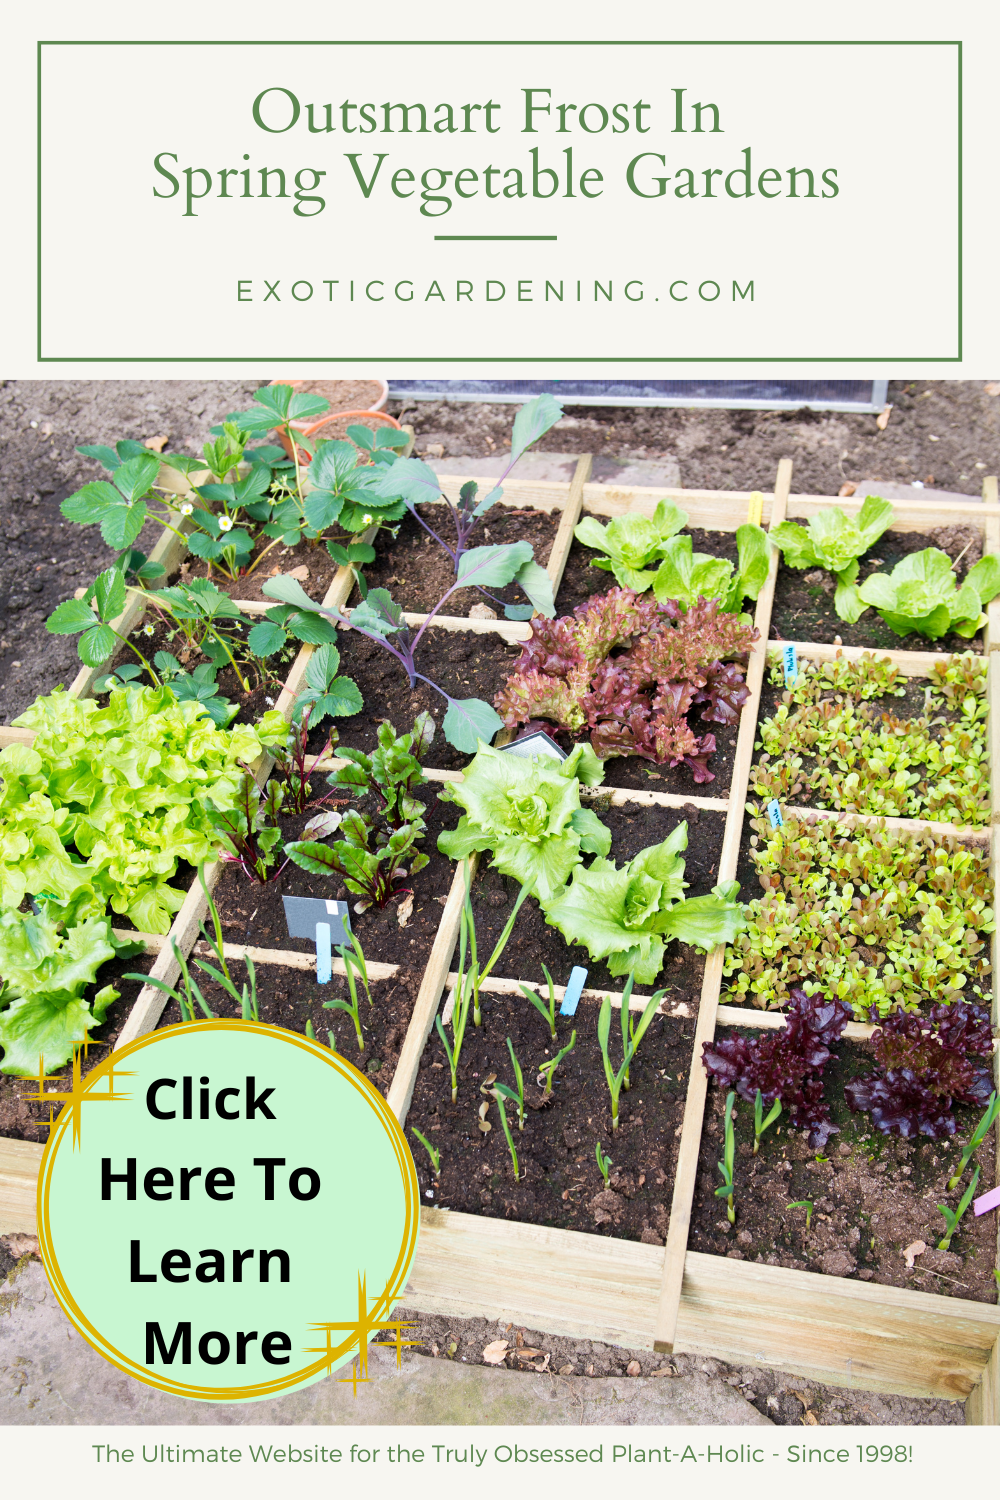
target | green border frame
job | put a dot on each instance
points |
(719, 359)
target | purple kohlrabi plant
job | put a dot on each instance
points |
(415, 483)
(380, 618)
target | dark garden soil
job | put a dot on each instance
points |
(581, 581)
(254, 914)
(465, 664)
(417, 571)
(25, 1121)
(291, 997)
(944, 433)
(311, 555)
(803, 600)
(534, 942)
(560, 1184)
(873, 1197)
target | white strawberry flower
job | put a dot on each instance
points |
(187, 510)
(367, 520)
(225, 523)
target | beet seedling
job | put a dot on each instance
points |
(603, 1162)
(546, 1071)
(547, 1012)
(760, 1124)
(635, 1036)
(953, 1216)
(728, 1161)
(433, 1152)
(976, 1139)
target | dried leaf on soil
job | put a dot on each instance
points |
(496, 1353)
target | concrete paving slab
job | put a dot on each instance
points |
(652, 473)
(49, 1376)
(912, 492)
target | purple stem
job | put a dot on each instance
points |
(440, 540)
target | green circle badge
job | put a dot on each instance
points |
(227, 1211)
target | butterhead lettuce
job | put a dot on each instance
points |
(922, 594)
(628, 914)
(528, 813)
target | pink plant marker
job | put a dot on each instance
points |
(987, 1201)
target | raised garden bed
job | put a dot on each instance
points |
(607, 1279)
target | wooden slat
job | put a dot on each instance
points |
(774, 1020)
(559, 556)
(831, 1329)
(431, 988)
(991, 544)
(511, 630)
(982, 1409)
(961, 831)
(19, 1166)
(907, 515)
(694, 1107)
(910, 663)
(577, 1285)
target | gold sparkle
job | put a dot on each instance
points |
(361, 1331)
(78, 1093)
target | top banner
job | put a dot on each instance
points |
(586, 203)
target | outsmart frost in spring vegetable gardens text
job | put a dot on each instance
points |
(555, 169)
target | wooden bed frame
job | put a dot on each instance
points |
(823, 1328)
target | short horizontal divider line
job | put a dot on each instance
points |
(511, 630)
(619, 795)
(904, 825)
(774, 1020)
(910, 663)
(286, 958)
(500, 986)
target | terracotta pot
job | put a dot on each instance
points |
(308, 428)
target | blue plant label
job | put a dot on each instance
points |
(571, 999)
(324, 953)
(774, 813)
(791, 664)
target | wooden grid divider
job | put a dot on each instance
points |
(694, 1107)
